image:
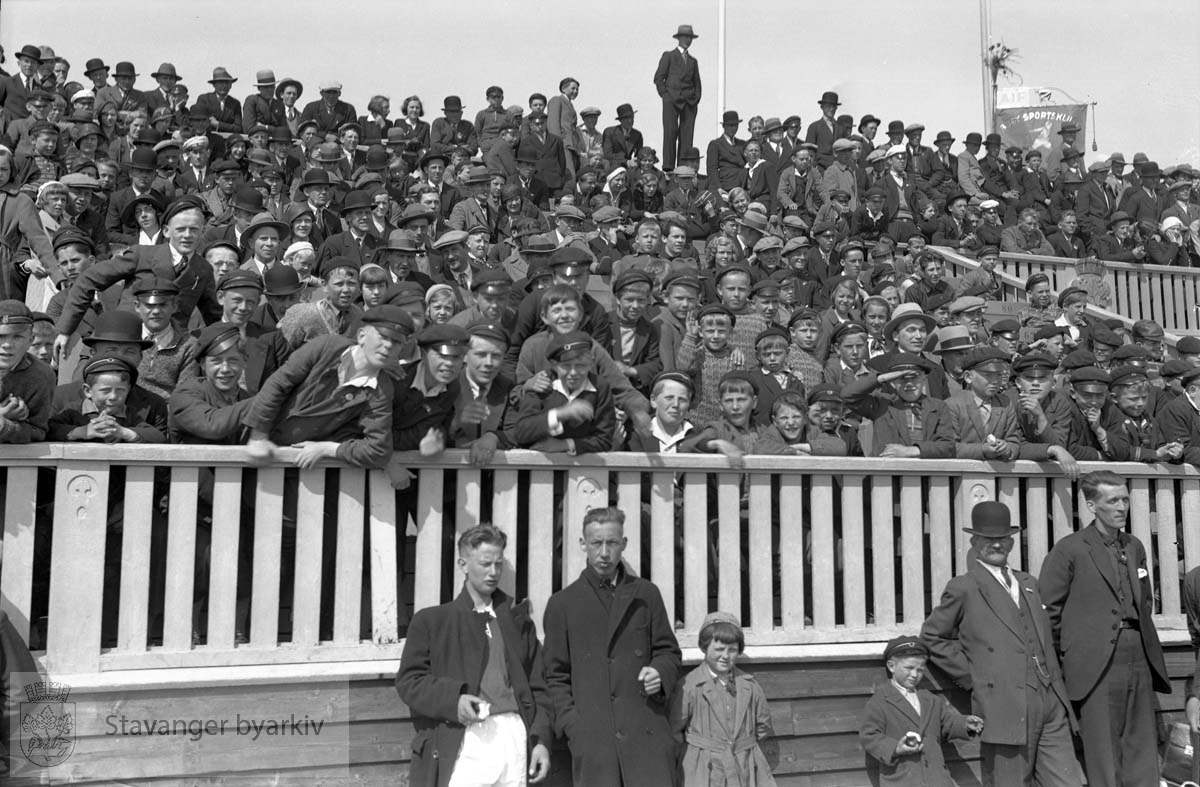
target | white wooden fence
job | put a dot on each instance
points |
(808, 551)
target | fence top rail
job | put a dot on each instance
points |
(1067, 262)
(49, 454)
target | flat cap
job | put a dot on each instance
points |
(1128, 375)
(217, 338)
(240, 278)
(1089, 374)
(825, 393)
(110, 364)
(450, 238)
(716, 309)
(14, 312)
(631, 277)
(1035, 364)
(491, 281)
(446, 339)
(900, 647)
(490, 330)
(390, 320)
(967, 303)
(154, 285)
(981, 355)
(564, 346)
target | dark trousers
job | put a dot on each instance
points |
(679, 126)
(1117, 723)
(1048, 756)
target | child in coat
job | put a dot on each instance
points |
(717, 704)
(903, 727)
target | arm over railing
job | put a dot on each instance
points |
(212, 562)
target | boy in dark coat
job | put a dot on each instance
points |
(576, 413)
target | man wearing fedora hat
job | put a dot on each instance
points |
(329, 111)
(160, 98)
(123, 94)
(991, 635)
(724, 158)
(477, 209)
(452, 130)
(970, 177)
(142, 166)
(16, 89)
(260, 240)
(1144, 203)
(357, 242)
(997, 177)
(224, 111)
(288, 91)
(677, 80)
(824, 130)
(1094, 203)
(1119, 244)
(1068, 134)
(263, 108)
(621, 142)
(937, 170)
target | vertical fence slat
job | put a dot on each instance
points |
(1168, 546)
(139, 505)
(541, 543)
(181, 559)
(348, 568)
(223, 561)
(883, 550)
(385, 530)
(695, 551)
(76, 595)
(16, 571)
(427, 585)
(853, 553)
(1139, 516)
(587, 488)
(792, 551)
(1062, 506)
(761, 554)
(729, 546)
(912, 549)
(1037, 523)
(504, 516)
(468, 499)
(1188, 318)
(629, 500)
(268, 546)
(663, 538)
(1189, 496)
(310, 522)
(824, 558)
(941, 539)
(1008, 492)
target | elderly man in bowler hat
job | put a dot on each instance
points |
(677, 80)
(991, 635)
(16, 89)
(824, 130)
(452, 130)
(724, 158)
(123, 95)
(621, 142)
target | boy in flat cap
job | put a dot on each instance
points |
(102, 414)
(909, 423)
(210, 409)
(984, 423)
(576, 415)
(26, 384)
(1128, 432)
(482, 408)
(1177, 422)
(635, 347)
(771, 376)
(903, 726)
(169, 357)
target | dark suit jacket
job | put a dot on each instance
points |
(724, 161)
(1093, 206)
(266, 351)
(551, 158)
(891, 420)
(592, 659)
(769, 390)
(823, 137)
(329, 120)
(592, 436)
(1072, 248)
(14, 96)
(678, 80)
(344, 245)
(888, 717)
(1079, 588)
(257, 110)
(645, 357)
(976, 636)
(619, 147)
(118, 231)
(444, 134)
(229, 119)
(502, 158)
(199, 413)
(1140, 206)
(499, 395)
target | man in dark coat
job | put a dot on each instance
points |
(823, 131)
(329, 112)
(677, 79)
(223, 110)
(471, 673)
(483, 399)
(622, 141)
(1097, 592)
(546, 151)
(1093, 202)
(611, 663)
(724, 158)
(991, 636)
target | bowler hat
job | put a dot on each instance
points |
(124, 69)
(289, 82)
(248, 199)
(625, 111)
(829, 97)
(356, 200)
(973, 138)
(452, 104)
(329, 153)
(943, 136)
(221, 75)
(1118, 217)
(435, 153)
(166, 70)
(30, 51)
(1069, 128)
(991, 519)
(152, 198)
(895, 127)
(730, 118)
(993, 139)
(280, 281)
(116, 325)
(1150, 170)
(685, 30)
(95, 64)
(264, 78)
(143, 158)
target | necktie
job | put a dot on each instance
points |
(182, 266)
(1004, 572)
(462, 280)
(985, 412)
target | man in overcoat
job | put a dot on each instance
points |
(612, 662)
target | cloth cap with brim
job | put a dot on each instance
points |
(848, 328)
(810, 315)
(331, 264)
(1175, 368)
(843, 145)
(630, 278)
(1187, 345)
(900, 647)
(906, 312)
(238, 279)
(217, 338)
(450, 238)
(1005, 327)
(716, 309)
(1089, 374)
(1035, 364)
(569, 256)
(967, 303)
(566, 346)
(390, 320)
(286, 83)
(117, 326)
(445, 339)
(1071, 294)
(1118, 217)
(569, 212)
(1128, 375)
(825, 393)
(491, 282)
(1146, 329)
(14, 312)
(110, 364)
(490, 330)
(991, 519)
(154, 286)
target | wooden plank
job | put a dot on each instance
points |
(824, 555)
(348, 571)
(912, 549)
(972, 490)
(587, 488)
(310, 523)
(791, 551)
(1123, 294)
(1189, 494)
(77, 592)
(663, 537)
(695, 550)
(467, 511)
(540, 552)
(729, 548)
(139, 506)
(1037, 527)
(505, 498)
(224, 564)
(761, 554)
(1168, 546)
(854, 577)
(1062, 508)
(1189, 318)
(268, 551)
(1008, 492)
(941, 536)
(427, 585)
(16, 570)
(385, 566)
(883, 550)
(629, 500)
(181, 559)
(1178, 313)
(1139, 518)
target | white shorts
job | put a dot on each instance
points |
(492, 754)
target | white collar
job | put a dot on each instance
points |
(587, 387)
(353, 372)
(668, 442)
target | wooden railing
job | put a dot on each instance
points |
(1166, 294)
(806, 551)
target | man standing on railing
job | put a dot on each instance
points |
(991, 636)
(611, 663)
(471, 673)
(1093, 578)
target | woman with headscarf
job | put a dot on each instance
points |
(33, 250)
(616, 186)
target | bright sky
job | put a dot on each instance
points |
(912, 60)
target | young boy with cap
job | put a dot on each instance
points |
(734, 432)
(908, 422)
(848, 343)
(26, 384)
(707, 355)
(41, 345)
(635, 348)
(681, 294)
(1127, 432)
(904, 726)
(804, 327)
(984, 423)
(1176, 422)
(771, 377)
(336, 313)
(168, 359)
(102, 415)
(210, 409)
(576, 414)
(721, 712)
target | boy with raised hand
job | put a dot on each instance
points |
(576, 413)
(908, 423)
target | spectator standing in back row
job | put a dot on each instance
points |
(677, 79)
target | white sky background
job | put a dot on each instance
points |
(912, 60)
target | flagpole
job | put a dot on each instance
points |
(985, 40)
(720, 62)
